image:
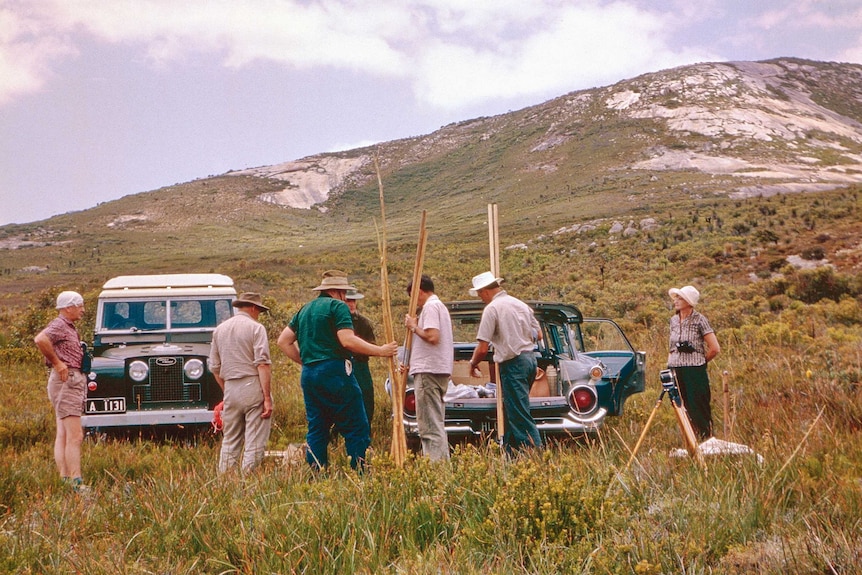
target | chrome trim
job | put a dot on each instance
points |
(149, 417)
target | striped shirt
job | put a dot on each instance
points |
(692, 329)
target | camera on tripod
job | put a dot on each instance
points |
(668, 381)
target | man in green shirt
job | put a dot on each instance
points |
(320, 337)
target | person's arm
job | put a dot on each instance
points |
(352, 342)
(712, 347)
(478, 357)
(287, 344)
(264, 372)
(43, 342)
(218, 377)
(431, 334)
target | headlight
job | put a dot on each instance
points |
(194, 369)
(138, 370)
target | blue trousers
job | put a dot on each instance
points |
(517, 375)
(333, 398)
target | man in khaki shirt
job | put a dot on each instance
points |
(240, 362)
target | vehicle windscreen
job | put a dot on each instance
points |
(163, 314)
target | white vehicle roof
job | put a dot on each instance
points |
(168, 284)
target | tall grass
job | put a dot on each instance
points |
(159, 507)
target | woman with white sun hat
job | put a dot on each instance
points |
(692, 345)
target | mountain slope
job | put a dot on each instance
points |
(627, 151)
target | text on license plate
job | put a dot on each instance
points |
(106, 405)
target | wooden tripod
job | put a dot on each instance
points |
(670, 389)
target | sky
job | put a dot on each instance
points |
(104, 98)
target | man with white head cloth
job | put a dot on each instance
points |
(61, 345)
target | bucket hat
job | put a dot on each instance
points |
(250, 298)
(353, 294)
(482, 281)
(688, 293)
(334, 279)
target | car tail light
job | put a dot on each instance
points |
(583, 399)
(410, 403)
(91, 385)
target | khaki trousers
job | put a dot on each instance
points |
(244, 432)
(430, 414)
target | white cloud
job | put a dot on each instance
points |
(25, 54)
(573, 47)
(453, 52)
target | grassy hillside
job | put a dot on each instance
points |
(790, 349)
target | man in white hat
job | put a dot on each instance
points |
(61, 345)
(692, 345)
(320, 337)
(239, 360)
(510, 325)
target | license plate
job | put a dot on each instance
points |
(106, 405)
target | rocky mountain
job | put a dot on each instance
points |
(762, 127)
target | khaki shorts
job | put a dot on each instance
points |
(68, 396)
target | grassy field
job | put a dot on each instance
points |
(790, 346)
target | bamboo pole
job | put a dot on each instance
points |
(494, 249)
(398, 447)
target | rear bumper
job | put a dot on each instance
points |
(148, 418)
(549, 427)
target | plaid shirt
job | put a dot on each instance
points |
(66, 341)
(692, 329)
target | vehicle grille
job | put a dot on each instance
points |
(167, 383)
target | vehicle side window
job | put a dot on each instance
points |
(557, 341)
(602, 335)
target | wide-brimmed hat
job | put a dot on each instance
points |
(334, 279)
(688, 293)
(68, 299)
(250, 298)
(353, 294)
(482, 281)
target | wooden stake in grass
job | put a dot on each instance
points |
(494, 249)
(728, 427)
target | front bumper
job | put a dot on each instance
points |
(149, 418)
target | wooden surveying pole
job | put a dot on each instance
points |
(494, 249)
